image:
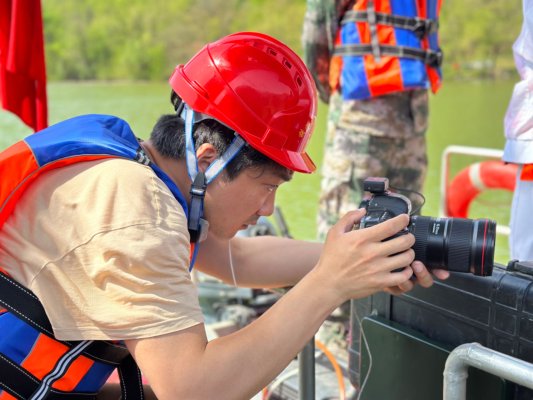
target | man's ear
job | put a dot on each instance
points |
(205, 155)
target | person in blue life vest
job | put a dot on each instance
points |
(99, 232)
(373, 62)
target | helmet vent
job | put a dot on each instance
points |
(299, 81)
(287, 64)
(272, 52)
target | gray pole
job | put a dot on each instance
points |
(306, 358)
(306, 365)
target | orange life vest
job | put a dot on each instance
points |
(33, 364)
(386, 46)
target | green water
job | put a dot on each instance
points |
(466, 113)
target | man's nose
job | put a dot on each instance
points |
(267, 208)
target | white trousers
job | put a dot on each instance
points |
(521, 238)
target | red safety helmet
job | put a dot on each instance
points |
(257, 86)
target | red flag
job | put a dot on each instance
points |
(22, 65)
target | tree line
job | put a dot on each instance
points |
(144, 40)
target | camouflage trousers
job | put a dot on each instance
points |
(383, 137)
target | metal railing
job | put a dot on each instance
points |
(488, 360)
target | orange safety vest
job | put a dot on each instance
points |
(33, 364)
(386, 46)
(527, 172)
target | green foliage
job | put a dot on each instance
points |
(144, 40)
(477, 37)
(135, 39)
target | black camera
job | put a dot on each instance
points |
(455, 244)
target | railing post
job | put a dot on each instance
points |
(306, 370)
(488, 360)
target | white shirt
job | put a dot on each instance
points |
(518, 122)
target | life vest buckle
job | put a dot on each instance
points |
(197, 225)
(434, 58)
(424, 27)
(141, 157)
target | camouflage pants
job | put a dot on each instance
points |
(384, 137)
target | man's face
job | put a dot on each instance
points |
(234, 205)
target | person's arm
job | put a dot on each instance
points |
(260, 262)
(274, 262)
(353, 264)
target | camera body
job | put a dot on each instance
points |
(382, 205)
(456, 244)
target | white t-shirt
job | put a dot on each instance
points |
(105, 247)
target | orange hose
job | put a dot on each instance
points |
(336, 367)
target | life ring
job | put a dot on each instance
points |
(471, 181)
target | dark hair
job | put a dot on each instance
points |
(168, 137)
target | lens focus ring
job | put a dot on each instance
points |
(419, 228)
(460, 244)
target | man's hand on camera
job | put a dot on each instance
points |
(357, 263)
(421, 275)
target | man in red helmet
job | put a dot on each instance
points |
(107, 232)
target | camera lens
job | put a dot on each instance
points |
(456, 244)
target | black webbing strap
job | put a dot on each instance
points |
(131, 384)
(420, 26)
(196, 208)
(429, 57)
(21, 385)
(23, 303)
(105, 352)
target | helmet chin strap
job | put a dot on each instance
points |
(197, 225)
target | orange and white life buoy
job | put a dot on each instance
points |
(471, 181)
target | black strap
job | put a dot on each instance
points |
(429, 57)
(130, 380)
(21, 385)
(106, 352)
(420, 26)
(196, 209)
(24, 304)
(141, 156)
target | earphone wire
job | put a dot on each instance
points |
(364, 340)
(233, 270)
